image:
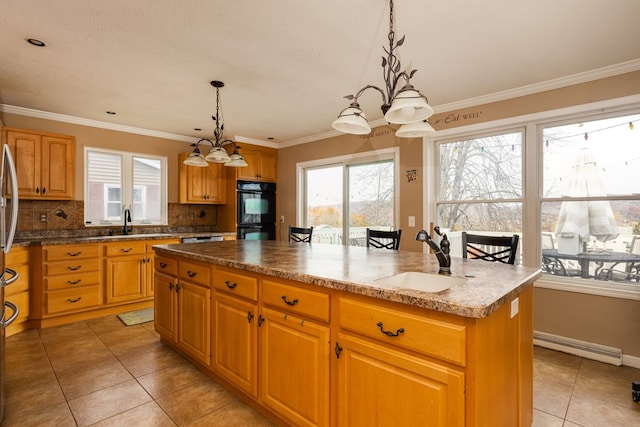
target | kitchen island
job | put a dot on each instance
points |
(311, 335)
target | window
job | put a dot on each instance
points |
(480, 186)
(115, 181)
(360, 188)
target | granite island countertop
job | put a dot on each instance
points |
(71, 240)
(353, 269)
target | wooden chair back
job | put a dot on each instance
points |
(384, 239)
(490, 248)
(300, 234)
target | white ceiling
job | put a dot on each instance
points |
(286, 64)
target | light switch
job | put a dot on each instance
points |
(514, 307)
(412, 221)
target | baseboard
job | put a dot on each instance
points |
(632, 361)
(584, 349)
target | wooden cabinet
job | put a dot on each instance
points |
(125, 271)
(44, 163)
(373, 361)
(202, 185)
(18, 291)
(71, 278)
(183, 307)
(261, 164)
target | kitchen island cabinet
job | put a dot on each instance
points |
(336, 347)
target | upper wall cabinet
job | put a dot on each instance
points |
(262, 164)
(202, 185)
(44, 163)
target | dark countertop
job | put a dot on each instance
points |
(356, 269)
(70, 240)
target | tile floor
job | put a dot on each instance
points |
(101, 373)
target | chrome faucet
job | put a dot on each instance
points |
(441, 252)
(127, 217)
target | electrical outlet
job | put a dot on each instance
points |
(412, 221)
(43, 217)
(281, 218)
(515, 307)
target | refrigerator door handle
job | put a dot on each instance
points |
(12, 306)
(14, 276)
(7, 161)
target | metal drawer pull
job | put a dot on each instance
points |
(163, 265)
(74, 268)
(74, 300)
(230, 285)
(126, 250)
(74, 282)
(294, 302)
(388, 333)
(74, 254)
(191, 273)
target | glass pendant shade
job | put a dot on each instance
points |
(408, 106)
(415, 130)
(196, 159)
(352, 120)
(217, 155)
(236, 160)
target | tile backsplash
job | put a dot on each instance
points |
(65, 218)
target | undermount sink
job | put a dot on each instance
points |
(137, 236)
(425, 282)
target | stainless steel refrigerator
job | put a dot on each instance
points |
(8, 181)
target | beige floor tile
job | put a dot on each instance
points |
(553, 380)
(171, 380)
(195, 401)
(147, 415)
(137, 346)
(80, 361)
(108, 402)
(93, 379)
(28, 374)
(54, 416)
(102, 325)
(159, 358)
(542, 419)
(65, 333)
(19, 402)
(234, 414)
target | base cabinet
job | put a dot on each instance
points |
(18, 291)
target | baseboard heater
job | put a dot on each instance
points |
(584, 349)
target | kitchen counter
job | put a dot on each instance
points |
(355, 269)
(70, 240)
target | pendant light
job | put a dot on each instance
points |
(405, 106)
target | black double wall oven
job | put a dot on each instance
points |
(256, 210)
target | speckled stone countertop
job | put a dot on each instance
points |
(355, 269)
(70, 240)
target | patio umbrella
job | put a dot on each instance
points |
(586, 218)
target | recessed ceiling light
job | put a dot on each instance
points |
(270, 138)
(113, 113)
(197, 129)
(36, 42)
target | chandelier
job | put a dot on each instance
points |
(216, 153)
(406, 107)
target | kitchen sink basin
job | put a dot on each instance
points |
(137, 236)
(425, 282)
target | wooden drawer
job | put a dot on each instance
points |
(166, 265)
(125, 248)
(16, 257)
(236, 284)
(69, 281)
(195, 273)
(296, 300)
(71, 267)
(22, 301)
(72, 300)
(22, 282)
(69, 252)
(444, 340)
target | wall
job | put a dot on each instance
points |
(609, 321)
(410, 196)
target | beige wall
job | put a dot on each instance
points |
(608, 321)
(87, 136)
(410, 196)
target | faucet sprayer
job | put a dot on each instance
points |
(441, 252)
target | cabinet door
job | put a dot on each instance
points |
(294, 366)
(126, 278)
(194, 320)
(202, 185)
(235, 338)
(267, 166)
(378, 386)
(214, 184)
(26, 151)
(164, 306)
(57, 178)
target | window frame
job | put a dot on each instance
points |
(533, 144)
(127, 187)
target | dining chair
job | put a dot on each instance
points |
(631, 272)
(300, 234)
(384, 239)
(490, 248)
